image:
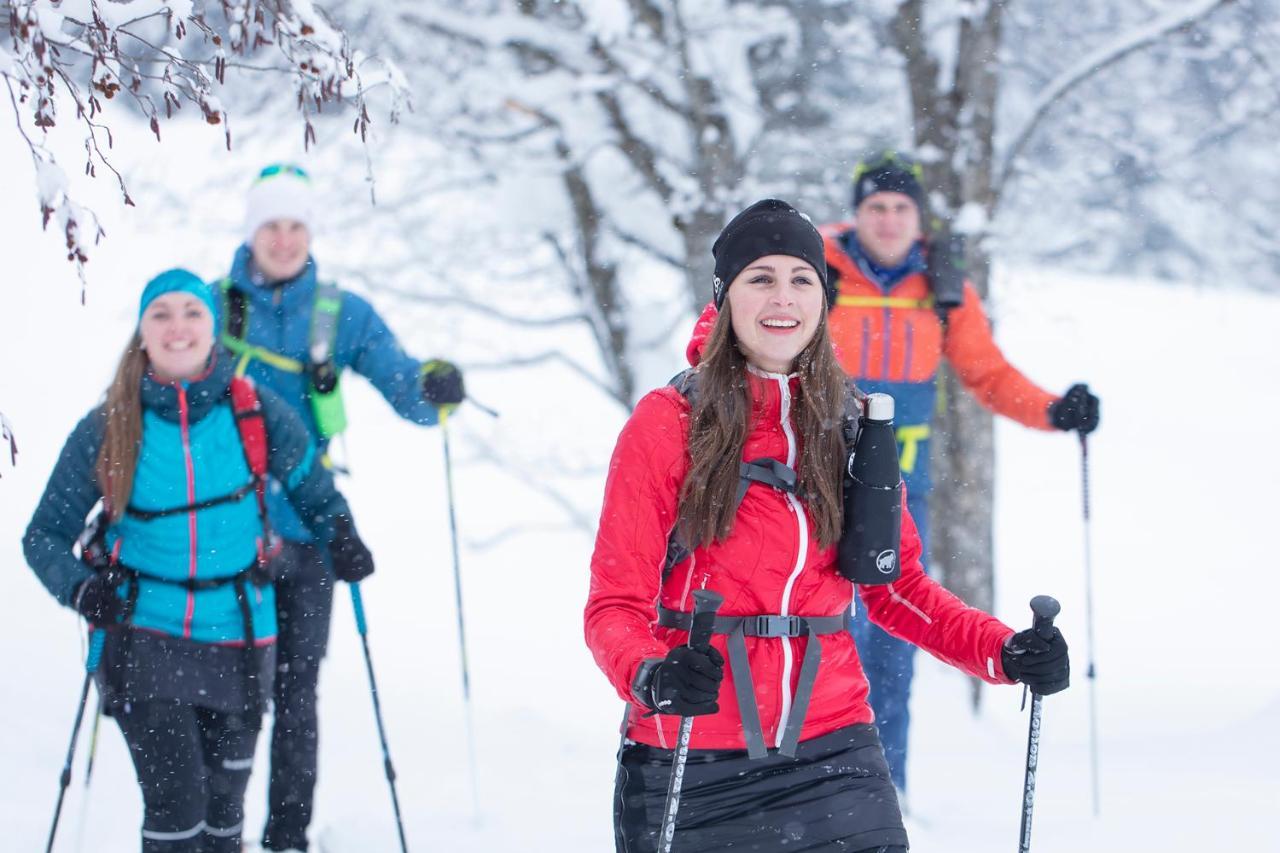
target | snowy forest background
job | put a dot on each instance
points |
(548, 177)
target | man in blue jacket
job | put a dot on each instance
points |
(296, 335)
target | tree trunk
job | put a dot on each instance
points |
(958, 122)
(962, 503)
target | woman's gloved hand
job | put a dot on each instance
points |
(1041, 664)
(686, 683)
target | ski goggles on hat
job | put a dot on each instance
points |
(276, 169)
(889, 159)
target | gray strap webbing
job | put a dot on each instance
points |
(767, 471)
(738, 628)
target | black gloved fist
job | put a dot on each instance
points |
(442, 383)
(98, 601)
(1042, 665)
(352, 561)
(685, 683)
(1078, 410)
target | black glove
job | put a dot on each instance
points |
(352, 561)
(1078, 409)
(685, 683)
(1040, 664)
(442, 383)
(98, 601)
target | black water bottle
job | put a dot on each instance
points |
(869, 544)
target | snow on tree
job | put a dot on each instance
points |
(66, 59)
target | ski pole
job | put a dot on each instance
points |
(1045, 609)
(96, 641)
(93, 743)
(457, 591)
(1091, 671)
(705, 605)
(357, 604)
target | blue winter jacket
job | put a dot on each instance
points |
(191, 452)
(278, 319)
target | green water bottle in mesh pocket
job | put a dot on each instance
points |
(326, 383)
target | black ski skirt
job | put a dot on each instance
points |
(835, 795)
(146, 666)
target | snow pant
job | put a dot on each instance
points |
(304, 603)
(193, 766)
(889, 664)
(835, 795)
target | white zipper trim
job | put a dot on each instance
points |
(801, 552)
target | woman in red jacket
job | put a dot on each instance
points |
(730, 480)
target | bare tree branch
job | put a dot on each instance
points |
(1089, 66)
(551, 357)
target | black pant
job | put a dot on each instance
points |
(304, 602)
(193, 765)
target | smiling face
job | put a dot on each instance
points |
(888, 226)
(775, 304)
(280, 248)
(177, 333)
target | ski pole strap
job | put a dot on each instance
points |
(357, 603)
(97, 640)
(738, 628)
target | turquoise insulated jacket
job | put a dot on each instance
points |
(278, 319)
(191, 452)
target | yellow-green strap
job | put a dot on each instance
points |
(248, 352)
(910, 437)
(883, 302)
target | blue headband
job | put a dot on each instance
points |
(179, 281)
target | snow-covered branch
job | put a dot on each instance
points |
(6, 437)
(160, 55)
(1096, 61)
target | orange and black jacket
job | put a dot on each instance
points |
(890, 339)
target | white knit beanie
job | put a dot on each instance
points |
(281, 191)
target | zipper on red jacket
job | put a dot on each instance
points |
(802, 548)
(184, 421)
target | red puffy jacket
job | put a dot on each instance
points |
(769, 564)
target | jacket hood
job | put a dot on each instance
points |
(701, 332)
(203, 392)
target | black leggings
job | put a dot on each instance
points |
(304, 601)
(193, 766)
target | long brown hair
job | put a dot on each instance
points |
(721, 419)
(123, 434)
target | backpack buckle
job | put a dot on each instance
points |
(775, 626)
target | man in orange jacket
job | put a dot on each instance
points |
(896, 318)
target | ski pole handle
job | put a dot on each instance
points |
(1044, 608)
(705, 604)
(97, 640)
(357, 604)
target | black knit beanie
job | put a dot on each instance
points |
(768, 227)
(892, 173)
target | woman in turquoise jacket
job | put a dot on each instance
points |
(179, 574)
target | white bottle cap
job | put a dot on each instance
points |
(879, 407)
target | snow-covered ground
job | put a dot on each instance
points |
(1185, 590)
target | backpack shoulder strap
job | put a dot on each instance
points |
(251, 424)
(235, 310)
(767, 471)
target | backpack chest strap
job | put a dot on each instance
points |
(738, 628)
